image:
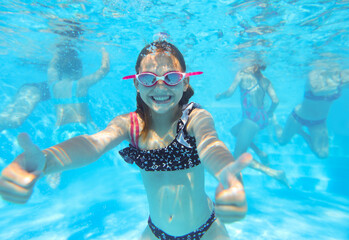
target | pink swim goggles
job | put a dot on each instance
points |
(149, 79)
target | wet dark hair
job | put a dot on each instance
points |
(159, 47)
(262, 66)
(68, 28)
(68, 63)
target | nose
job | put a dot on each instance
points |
(160, 83)
(160, 80)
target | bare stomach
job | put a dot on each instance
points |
(178, 203)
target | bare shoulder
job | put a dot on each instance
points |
(198, 113)
(199, 118)
(265, 82)
(123, 119)
(120, 125)
(116, 132)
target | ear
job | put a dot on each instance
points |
(186, 83)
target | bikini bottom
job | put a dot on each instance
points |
(305, 122)
(197, 234)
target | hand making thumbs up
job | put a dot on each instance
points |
(18, 178)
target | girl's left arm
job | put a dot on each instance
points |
(87, 81)
(274, 99)
(230, 196)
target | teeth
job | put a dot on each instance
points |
(161, 98)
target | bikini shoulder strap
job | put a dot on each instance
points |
(134, 129)
(186, 110)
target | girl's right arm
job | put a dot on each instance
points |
(82, 150)
(228, 93)
(18, 178)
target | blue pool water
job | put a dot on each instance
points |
(106, 199)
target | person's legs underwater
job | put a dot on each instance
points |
(292, 127)
(245, 132)
(22, 105)
(318, 140)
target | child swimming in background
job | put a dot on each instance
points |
(253, 88)
(172, 142)
(66, 88)
(69, 92)
(323, 87)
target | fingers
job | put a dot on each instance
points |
(234, 195)
(228, 214)
(16, 185)
(231, 203)
(10, 190)
(16, 182)
(15, 173)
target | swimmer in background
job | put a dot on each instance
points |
(323, 86)
(253, 87)
(171, 141)
(66, 88)
(69, 92)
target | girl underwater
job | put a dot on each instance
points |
(172, 142)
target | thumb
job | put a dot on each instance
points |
(230, 172)
(26, 143)
(33, 158)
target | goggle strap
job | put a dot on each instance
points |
(129, 77)
(193, 74)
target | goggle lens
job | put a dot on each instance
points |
(147, 79)
(173, 78)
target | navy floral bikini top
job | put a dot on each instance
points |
(180, 154)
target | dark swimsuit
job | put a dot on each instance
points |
(310, 95)
(180, 154)
(197, 234)
(47, 93)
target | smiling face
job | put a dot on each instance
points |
(161, 98)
